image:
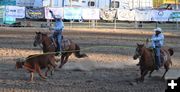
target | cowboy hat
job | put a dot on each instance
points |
(58, 16)
(158, 29)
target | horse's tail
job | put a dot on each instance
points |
(171, 51)
(77, 52)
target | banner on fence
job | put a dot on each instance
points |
(161, 15)
(1, 11)
(9, 20)
(35, 13)
(1, 14)
(143, 15)
(126, 15)
(5, 19)
(107, 14)
(15, 11)
(56, 11)
(72, 13)
(175, 16)
(90, 14)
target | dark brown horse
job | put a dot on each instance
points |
(34, 63)
(48, 45)
(147, 61)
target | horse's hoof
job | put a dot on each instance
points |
(139, 80)
(30, 81)
(44, 78)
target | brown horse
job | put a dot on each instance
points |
(147, 61)
(34, 63)
(48, 45)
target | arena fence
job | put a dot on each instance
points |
(94, 24)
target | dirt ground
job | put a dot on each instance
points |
(109, 66)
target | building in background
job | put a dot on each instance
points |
(32, 3)
(38, 3)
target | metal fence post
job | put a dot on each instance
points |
(136, 24)
(177, 24)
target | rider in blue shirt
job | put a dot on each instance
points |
(157, 42)
(57, 30)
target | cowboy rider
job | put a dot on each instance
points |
(157, 42)
(57, 30)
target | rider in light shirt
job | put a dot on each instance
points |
(57, 30)
(157, 42)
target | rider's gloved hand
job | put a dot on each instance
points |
(50, 11)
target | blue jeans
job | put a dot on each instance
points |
(58, 36)
(157, 56)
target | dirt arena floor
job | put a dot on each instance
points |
(109, 66)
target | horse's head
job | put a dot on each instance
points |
(38, 39)
(138, 51)
(19, 64)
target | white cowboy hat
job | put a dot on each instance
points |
(158, 29)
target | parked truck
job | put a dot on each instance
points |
(166, 4)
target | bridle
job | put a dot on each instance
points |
(139, 53)
(39, 40)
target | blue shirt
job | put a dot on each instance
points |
(59, 25)
(157, 40)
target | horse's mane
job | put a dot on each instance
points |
(149, 49)
(44, 34)
(41, 33)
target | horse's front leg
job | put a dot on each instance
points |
(151, 72)
(62, 60)
(143, 74)
(65, 60)
(31, 76)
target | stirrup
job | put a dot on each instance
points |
(157, 67)
(57, 54)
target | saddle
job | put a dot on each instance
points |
(65, 44)
(163, 55)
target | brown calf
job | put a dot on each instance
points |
(34, 63)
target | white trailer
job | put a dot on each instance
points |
(121, 4)
(77, 3)
(140, 4)
(131, 4)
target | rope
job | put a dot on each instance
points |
(60, 52)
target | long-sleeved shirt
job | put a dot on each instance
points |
(157, 41)
(59, 25)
